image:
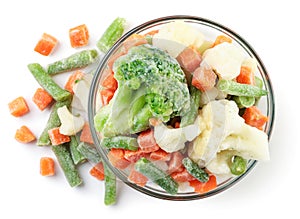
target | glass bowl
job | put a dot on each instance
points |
(210, 29)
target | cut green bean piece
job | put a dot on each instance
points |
(111, 35)
(47, 83)
(66, 163)
(78, 60)
(52, 122)
(110, 195)
(189, 117)
(75, 153)
(195, 170)
(258, 82)
(156, 175)
(244, 102)
(238, 165)
(124, 142)
(89, 152)
(237, 89)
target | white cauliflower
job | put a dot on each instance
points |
(177, 35)
(226, 59)
(70, 124)
(174, 139)
(81, 93)
(224, 130)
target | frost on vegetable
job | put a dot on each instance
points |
(224, 130)
(150, 84)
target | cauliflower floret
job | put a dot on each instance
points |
(177, 35)
(174, 139)
(223, 129)
(70, 124)
(226, 59)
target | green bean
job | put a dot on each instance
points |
(189, 117)
(52, 122)
(238, 165)
(124, 142)
(244, 102)
(89, 152)
(195, 170)
(47, 83)
(66, 163)
(75, 61)
(237, 89)
(111, 35)
(155, 174)
(75, 153)
(110, 195)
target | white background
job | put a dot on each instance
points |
(271, 189)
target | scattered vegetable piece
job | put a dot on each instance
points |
(110, 196)
(254, 117)
(97, 171)
(66, 163)
(112, 34)
(18, 107)
(47, 166)
(73, 79)
(77, 156)
(47, 83)
(77, 60)
(79, 36)
(42, 98)
(24, 135)
(56, 137)
(46, 44)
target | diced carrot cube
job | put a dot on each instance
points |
(42, 98)
(117, 159)
(106, 95)
(97, 171)
(56, 137)
(201, 187)
(160, 155)
(24, 135)
(147, 142)
(175, 164)
(254, 117)
(137, 178)
(204, 78)
(110, 82)
(79, 36)
(18, 107)
(133, 156)
(183, 176)
(47, 166)
(221, 39)
(86, 135)
(46, 44)
(246, 76)
(77, 75)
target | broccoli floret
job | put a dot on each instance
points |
(150, 84)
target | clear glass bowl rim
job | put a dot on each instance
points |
(152, 23)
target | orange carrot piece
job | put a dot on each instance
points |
(175, 164)
(182, 176)
(77, 75)
(47, 166)
(86, 135)
(221, 39)
(106, 95)
(137, 178)
(147, 142)
(46, 44)
(42, 98)
(151, 33)
(117, 159)
(246, 76)
(18, 107)
(160, 155)
(24, 135)
(110, 82)
(201, 187)
(57, 138)
(133, 156)
(97, 171)
(254, 117)
(79, 36)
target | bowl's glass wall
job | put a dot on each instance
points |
(210, 30)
